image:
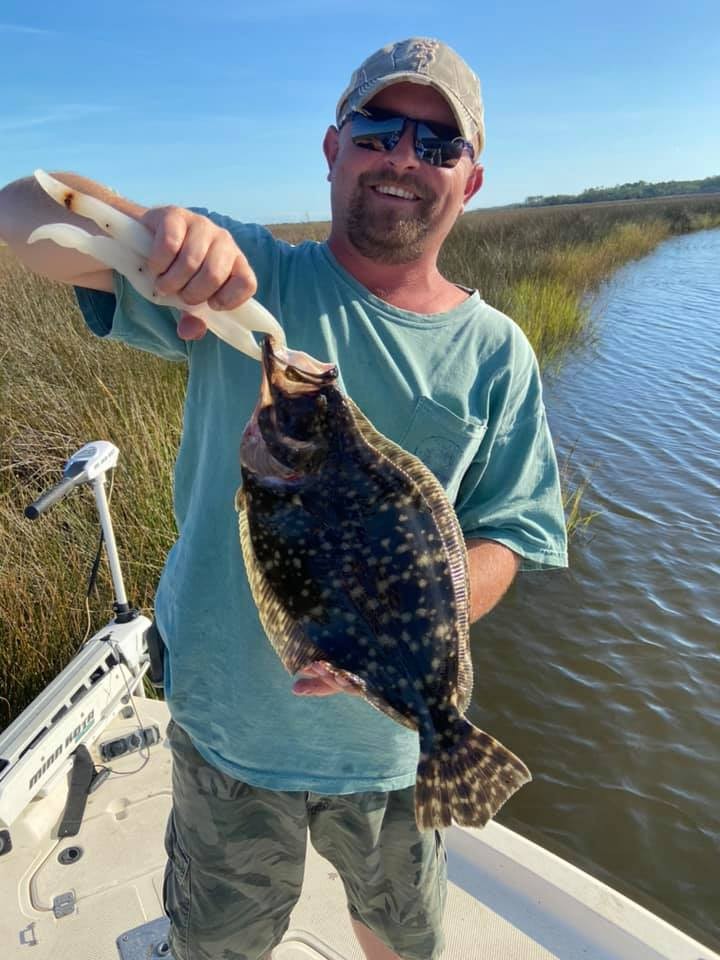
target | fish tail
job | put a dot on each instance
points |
(466, 777)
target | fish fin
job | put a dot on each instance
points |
(366, 691)
(468, 782)
(375, 700)
(453, 539)
(384, 707)
(285, 634)
(353, 679)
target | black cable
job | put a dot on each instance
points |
(92, 581)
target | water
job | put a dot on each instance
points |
(605, 678)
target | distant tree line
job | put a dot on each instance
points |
(639, 190)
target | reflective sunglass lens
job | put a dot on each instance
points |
(382, 132)
(376, 141)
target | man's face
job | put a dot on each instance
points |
(391, 229)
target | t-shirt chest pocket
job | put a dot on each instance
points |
(443, 441)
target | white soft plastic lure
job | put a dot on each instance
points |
(126, 249)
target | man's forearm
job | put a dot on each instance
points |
(492, 570)
(24, 205)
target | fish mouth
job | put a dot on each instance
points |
(287, 437)
(293, 371)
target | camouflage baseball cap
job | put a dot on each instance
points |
(420, 60)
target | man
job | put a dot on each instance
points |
(258, 758)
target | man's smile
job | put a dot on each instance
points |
(396, 192)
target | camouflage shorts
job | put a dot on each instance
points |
(236, 858)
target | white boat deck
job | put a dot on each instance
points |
(508, 899)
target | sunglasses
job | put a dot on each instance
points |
(435, 143)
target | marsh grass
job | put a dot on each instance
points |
(60, 387)
(545, 266)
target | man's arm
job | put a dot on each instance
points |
(190, 255)
(492, 569)
(24, 205)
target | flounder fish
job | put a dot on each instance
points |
(355, 557)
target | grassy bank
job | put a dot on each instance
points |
(541, 266)
(60, 387)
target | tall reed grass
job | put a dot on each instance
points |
(60, 387)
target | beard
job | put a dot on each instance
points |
(391, 235)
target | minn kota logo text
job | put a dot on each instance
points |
(72, 738)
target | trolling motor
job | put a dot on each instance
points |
(90, 465)
(52, 735)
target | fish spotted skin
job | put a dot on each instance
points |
(355, 557)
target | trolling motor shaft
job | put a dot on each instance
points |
(90, 464)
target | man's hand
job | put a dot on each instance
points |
(316, 680)
(198, 261)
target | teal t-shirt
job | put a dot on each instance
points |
(460, 390)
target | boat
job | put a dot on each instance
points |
(85, 793)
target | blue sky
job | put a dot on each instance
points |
(224, 104)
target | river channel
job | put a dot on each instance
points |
(605, 678)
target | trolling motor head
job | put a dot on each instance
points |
(84, 466)
(92, 460)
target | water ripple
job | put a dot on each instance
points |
(606, 678)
